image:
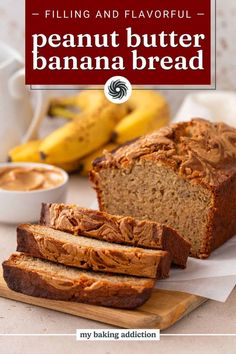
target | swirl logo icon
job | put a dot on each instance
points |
(118, 89)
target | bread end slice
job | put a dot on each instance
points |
(39, 278)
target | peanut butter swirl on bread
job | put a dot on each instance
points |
(114, 228)
(198, 150)
(86, 253)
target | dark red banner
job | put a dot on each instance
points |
(149, 42)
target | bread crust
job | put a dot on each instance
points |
(198, 151)
(116, 229)
(135, 262)
(85, 289)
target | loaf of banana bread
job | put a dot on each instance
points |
(117, 229)
(40, 278)
(183, 175)
(86, 253)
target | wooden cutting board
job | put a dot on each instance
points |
(163, 309)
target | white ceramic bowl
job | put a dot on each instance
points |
(22, 207)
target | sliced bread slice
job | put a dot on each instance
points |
(114, 228)
(83, 252)
(40, 278)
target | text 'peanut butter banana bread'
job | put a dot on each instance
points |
(40, 278)
(183, 175)
(117, 229)
(83, 252)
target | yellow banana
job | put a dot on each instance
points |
(149, 111)
(68, 107)
(86, 162)
(83, 134)
(29, 152)
(83, 99)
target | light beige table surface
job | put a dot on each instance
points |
(211, 317)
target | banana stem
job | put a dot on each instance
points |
(66, 101)
(56, 111)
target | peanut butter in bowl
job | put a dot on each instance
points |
(26, 179)
(24, 186)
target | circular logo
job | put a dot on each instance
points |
(118, 89)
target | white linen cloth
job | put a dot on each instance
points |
(215, 106)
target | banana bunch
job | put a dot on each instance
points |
(94, 125)
(84, 133)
